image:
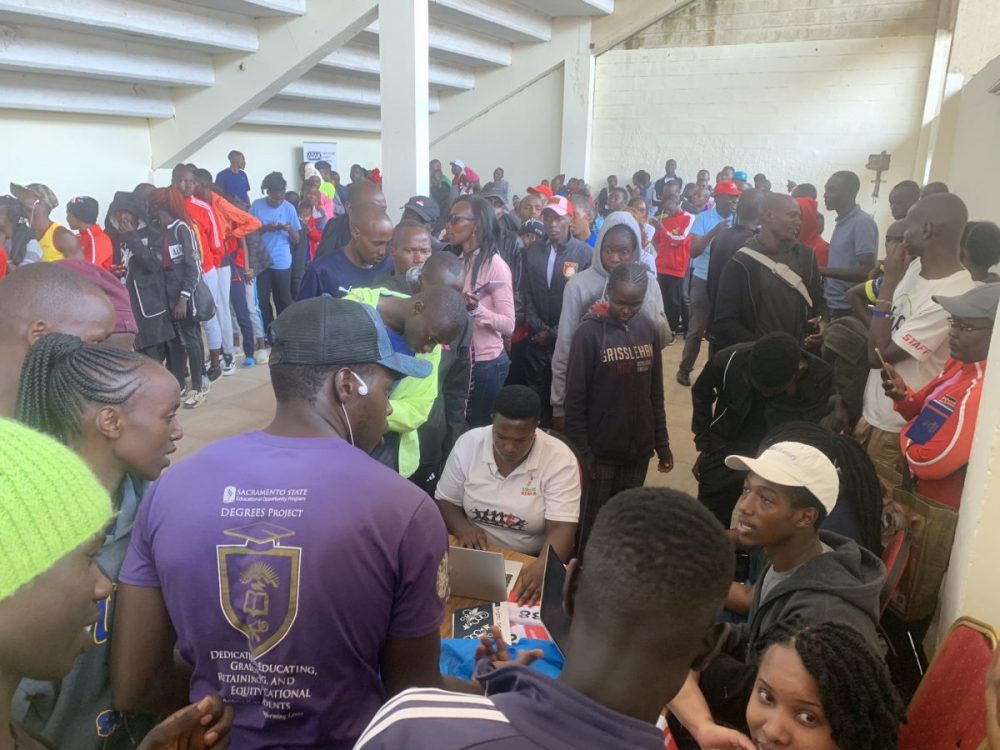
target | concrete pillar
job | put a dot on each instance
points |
(970, 587)
(578, 107)
(405, 128)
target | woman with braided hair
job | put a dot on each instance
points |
(116, 410)
(819, 687)
(615, 415)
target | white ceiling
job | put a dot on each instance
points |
(124, 57)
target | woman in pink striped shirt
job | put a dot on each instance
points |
(490, 295)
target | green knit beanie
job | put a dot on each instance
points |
(50, 504)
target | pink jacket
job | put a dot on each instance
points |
(494, 318)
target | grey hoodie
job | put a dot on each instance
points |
(842, 585)
(586, 288)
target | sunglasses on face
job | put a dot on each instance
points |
(456, 219)
(966, 328)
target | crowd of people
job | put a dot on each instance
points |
(490, 368)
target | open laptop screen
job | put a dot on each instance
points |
(554, 617)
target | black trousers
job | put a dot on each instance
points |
(672, 290)
(515, 376)
(298, 269)
(538, 377)
(276, 285)
(719, 487)
(426, 477)
(608, 481)
(183, 352)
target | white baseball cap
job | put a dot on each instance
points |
(459, 163)
(794, 465)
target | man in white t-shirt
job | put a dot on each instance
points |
(513, 486)
(909, 329)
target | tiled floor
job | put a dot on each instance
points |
(245, 402)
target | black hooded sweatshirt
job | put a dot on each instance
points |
(141, 252)
(614, 390)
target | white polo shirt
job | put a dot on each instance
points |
(512, 510)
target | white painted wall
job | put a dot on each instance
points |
(96, 156)
(522, 134)
(280, 149)
(73, 154)
(794, 110)
(970, 586)
(975, 153)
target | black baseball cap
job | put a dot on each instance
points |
(84, 208)
(535, 226)
(330, 331)
(424, 207)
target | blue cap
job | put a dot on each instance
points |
(330, 331)
(740, 176)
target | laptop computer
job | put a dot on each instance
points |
(479, 574)
(554, 617)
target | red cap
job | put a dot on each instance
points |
(726, 187)
(560, 205)
(541, 190)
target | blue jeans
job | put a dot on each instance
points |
(238, 297)
(487, 380)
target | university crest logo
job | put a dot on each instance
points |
(259, 584)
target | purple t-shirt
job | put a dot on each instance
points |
(285, 564)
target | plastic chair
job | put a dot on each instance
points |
(895, 556)
(948, 710)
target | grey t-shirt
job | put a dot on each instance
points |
(772, 577)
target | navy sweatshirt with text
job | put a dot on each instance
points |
(614, 390)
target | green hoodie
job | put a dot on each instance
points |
(413, 398)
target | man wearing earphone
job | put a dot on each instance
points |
(290, 552)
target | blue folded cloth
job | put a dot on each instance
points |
(458, 656)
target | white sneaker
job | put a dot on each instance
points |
(194, 399)
(261, 356)
(228, 368)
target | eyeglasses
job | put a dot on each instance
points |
(965, 328)
(455, 219)
(889, 238)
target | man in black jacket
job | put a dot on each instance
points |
(753, 388)
(772, 283)
(548, 265)
(729, 241)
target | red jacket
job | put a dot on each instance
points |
(235, 224)
(809, 231)
(96, 246)
(959, 389)
(673, 244)
(207, 232)
(315, 235)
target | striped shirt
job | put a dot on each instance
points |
(525, 710)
